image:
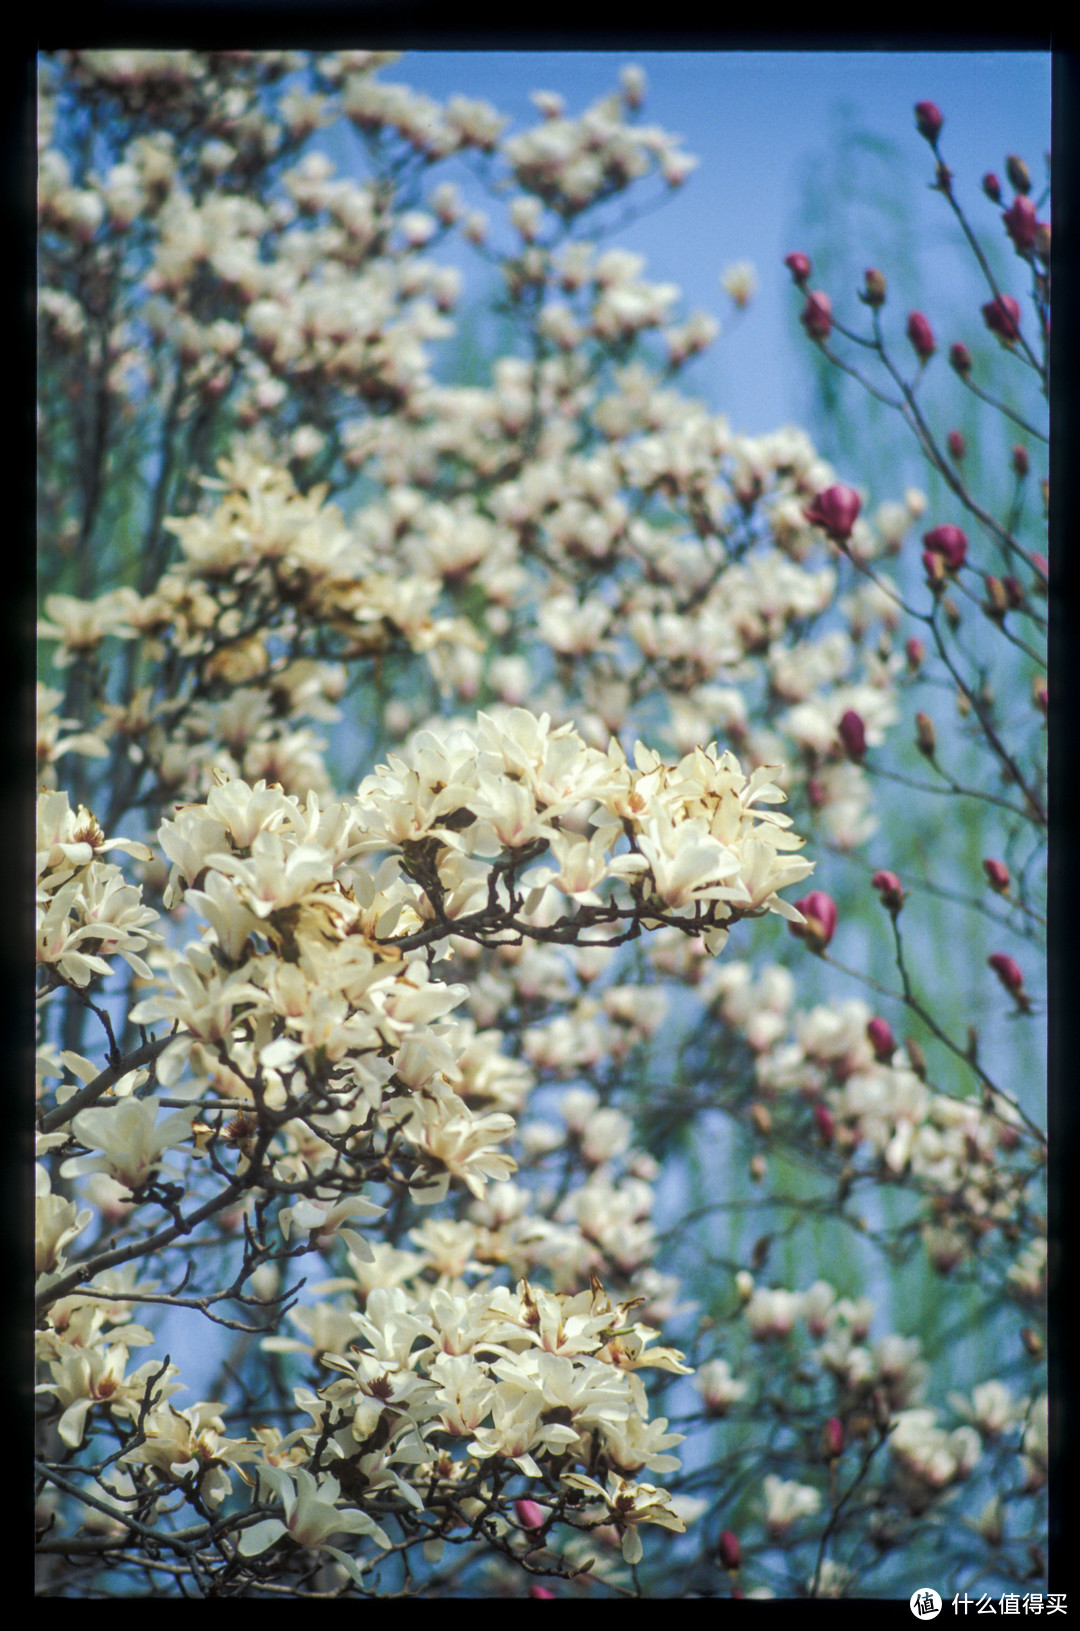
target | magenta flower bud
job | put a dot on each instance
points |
(835, 510)
(960, 359)
(890, 889)
(950, 543)
(881, 1039)
(1020, 461)
(1002, 317)
(816, 316)
(928, 120)
(798, 265)
(852, 733)
(728, 1550)
(529, 1514)
(832, 1438)
(1014, 593)
(1007, 971)
(921, 336)
(991, 186)
(997, 875)
(540, 1591)
(825, 1122)
(956, 445)
(1020, 222)
(819, 910)
(915, 651)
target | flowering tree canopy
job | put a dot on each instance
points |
(453, 801)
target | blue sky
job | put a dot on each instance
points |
(756, 120)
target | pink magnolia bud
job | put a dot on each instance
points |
(921, 336)
(928, 120)
(997, 875)
(1002, 317)
(835, 510)
(991, 186)
(881, 1039)
(1018, 173)
(1014, 593)
(874, 292)
(825, 1123)
(529, 1514)
(890, 889)
(1020, 461)
(540, 1591)
(960, 359)
(915, 651)
(950, 543)
(1020, 222)
(956, 445)
(728, 1550)
(216, 386)
(819, 910)
(832, 1438)
(798, 265)
(1008, 972)
(816, 316)
(852, 733)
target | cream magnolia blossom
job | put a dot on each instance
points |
(786, 1502)
(96, 1375)
(57, 1222)
(133, 1145)
(193, 1443)
(630, 1504)
(312, 1516)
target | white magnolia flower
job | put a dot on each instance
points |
(312, 1516)
(131, 1142)
(786, 1502)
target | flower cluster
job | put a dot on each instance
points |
(836, 1073)
(511, 1378)
(86, 911)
